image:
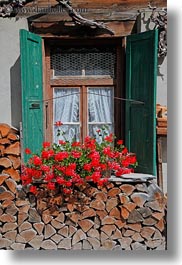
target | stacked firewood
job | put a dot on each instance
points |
(9, 153)
(118, 216)
(161, 112)
(122, 215)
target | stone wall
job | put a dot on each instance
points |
(123, 215)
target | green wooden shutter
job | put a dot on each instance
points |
(141, 74)
(31, 77)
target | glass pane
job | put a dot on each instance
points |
(83, 62)
(100, 104)
(66, 104)
(66, 110)
(67, 133)
(95, 130)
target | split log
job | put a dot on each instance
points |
(5, 162)
(4, 130)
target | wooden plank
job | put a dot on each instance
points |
(80, 81)
(161, 131)
(162, 123)
(159, 163)
(103, 3)
(64, 30)
(48, 95)
(97, 15)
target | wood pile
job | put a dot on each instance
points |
(123, 215)
(9, 153)
(161, 120)
(119, 216)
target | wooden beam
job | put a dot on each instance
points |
(64, 30)
(104, 4)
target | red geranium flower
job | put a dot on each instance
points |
(87, 167)
(62, 142)
(51, 186)
(61, 156)
(37, 161)
(67, 165)
(67, 191)
(74, 144)
(58, 123)
(76, 154)
(33, 189)
(124, 151)
(109, 138)
(49, 177)
(46, 144)
(45, 168)
(28, 151)
(68, 183)
(120, 142)
(96, 176)
(46, 154)
(60, 180)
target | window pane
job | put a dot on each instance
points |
(99, 131)
(67, 133)
(66, 110)
(83, 62)
(100, 105)
(100, 111)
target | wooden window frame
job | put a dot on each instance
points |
(84, 82)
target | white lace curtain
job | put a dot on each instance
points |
(66, 110)
(100, 108)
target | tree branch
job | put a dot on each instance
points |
(79, 20)
(160, 21)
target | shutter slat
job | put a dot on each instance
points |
(32, 95)
(141, 69)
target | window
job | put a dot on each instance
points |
(82, 85)
(91, 83)
(83, 62)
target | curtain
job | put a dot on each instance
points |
(100, 109)
(66, 110)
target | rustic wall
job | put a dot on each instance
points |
(10, 91)
(122, 215)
